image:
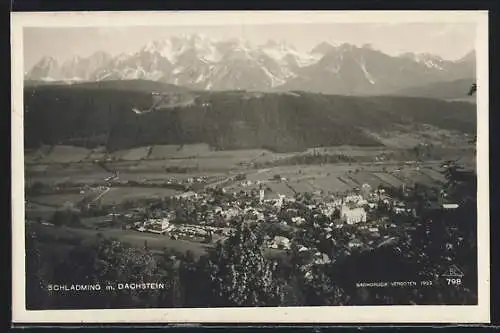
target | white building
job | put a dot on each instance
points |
(279, 202)
(353, 198)
(158, 225)
(187, 195)
(353, 215)
(230, 213)
(280, 242)
(450, 206)
(298, 220)
(355, 243)
(261, 195)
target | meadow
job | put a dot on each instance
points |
(57, 200)
(65, 154)
(133, 154)
(62, 235)
(153, 166)
(118, 195)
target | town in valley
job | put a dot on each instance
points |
(247, 176)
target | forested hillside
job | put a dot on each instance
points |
(94, 114)
(442, 90)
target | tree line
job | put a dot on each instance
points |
(92, 117)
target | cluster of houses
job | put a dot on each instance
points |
(157, 226)
(351, 208)
(179, 231)
(219, 217)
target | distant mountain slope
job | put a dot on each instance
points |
(32, 83)
(122, 85)
(80, 116)
(203, 63)
(351, 70)
(457, 89)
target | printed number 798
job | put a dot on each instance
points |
(454, 282)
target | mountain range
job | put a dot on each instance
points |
(202, 63)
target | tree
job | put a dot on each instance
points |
(36, 297)
(320, 289)
(108, 261)
(36, 188)
(66, 217)
(336, 214)
(240, 274)
(208, 237)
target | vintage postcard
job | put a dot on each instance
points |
(239, 167)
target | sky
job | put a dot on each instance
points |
(448, 40)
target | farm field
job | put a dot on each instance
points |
(93, 222)
(290, 172)
(93, 174)
(220, 163)
(179, 151)
(34, 210)
(348, 151)
(367, 178)
(410, 136)
(120, 194)
(74, 177)
(65, 154)
(432, 173)
(164, 151)
(330, 184)
(414, 176)
(388, 180)
(236, 187)
(155, 165)
(349, 182)
(202, 164)
(342, 177)
(301, 178)
(134, 154)
(57, 200)
(302, 186)
(183, 162)
(247, 154)
(97, 154)
(63, 169)
(164, 176)
(36, 168)
(280, 188)
(36, 155)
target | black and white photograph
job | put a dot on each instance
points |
(250, 166)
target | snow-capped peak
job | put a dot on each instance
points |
(368, 76)
(172, 48)
(283, 52)
(325, 47)
(241, 44)
(202, 62)
(427, 59)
